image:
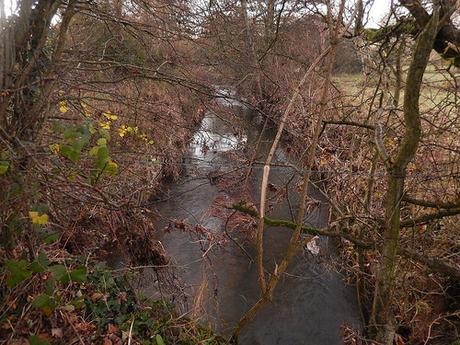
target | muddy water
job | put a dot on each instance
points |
(311, 302)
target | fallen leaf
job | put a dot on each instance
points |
(85, 327)
(56, 332)
(107, 341)
(96, 296)
(312, 246)
(112, 329)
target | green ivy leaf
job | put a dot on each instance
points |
(78, 275)
(46, 303)
(59, 273)
(50, 237)
(40, 264)
(18, 272)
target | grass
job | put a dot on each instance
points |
(438, 87)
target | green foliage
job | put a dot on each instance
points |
(49, 237)
(159, 340)
(34, 340)
(76, 138)
(46, 303)
(4, 165)
(78, 275)
(103, 163)
(60, 273)
(115, 303)
(108, 301)
(40, 264)
(18, 271)
(4, 162)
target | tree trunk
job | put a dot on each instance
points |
(269, 22)
(382, 322)
(251, 49)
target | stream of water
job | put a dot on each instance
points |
(311, 301)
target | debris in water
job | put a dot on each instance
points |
(312, 245)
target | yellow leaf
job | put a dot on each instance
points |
(110, 116)
(112, 167)
(132, 130)
(105, 125)
(63, 107)
(122, 131)
(54, 148)
(37, 218)
(390, 143)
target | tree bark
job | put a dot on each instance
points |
(251, 49)
(382, 323)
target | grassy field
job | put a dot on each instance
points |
(439, 87)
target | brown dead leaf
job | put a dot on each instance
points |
(115, 339)
(56, 332)
(112, 329)
(85, 327)
(5, 325)
(107, 341)
(96, 296)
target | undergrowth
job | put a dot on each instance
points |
(73, 301)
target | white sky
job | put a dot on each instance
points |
(378, 12)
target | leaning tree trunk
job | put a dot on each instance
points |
(382, 323)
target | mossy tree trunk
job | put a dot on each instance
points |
(382, 323)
